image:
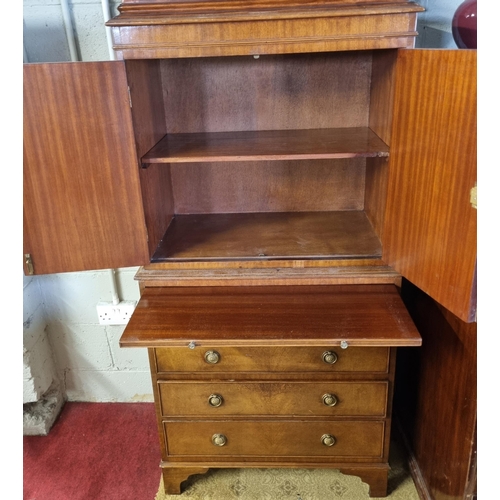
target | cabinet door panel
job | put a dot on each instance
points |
(82, 199)
(430, 225)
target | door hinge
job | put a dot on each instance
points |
(473, 196)
(29, 263)
(129, 97)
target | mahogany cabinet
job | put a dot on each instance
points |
(268, 149)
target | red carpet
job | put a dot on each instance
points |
(95, 451)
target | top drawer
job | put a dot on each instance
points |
(272, 359)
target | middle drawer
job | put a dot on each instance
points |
(179, 398)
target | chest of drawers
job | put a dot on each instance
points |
(273, 376)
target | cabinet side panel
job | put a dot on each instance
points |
(82, 199)
(156, 392)
(436, 396)
(382, 93)
(380, 121)
(430, 225)
(148, 115)
(376, 192)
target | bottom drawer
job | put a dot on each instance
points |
(275, 439)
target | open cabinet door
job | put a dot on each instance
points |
(82, 197)
(430, 225)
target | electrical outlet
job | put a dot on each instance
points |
(115, 314)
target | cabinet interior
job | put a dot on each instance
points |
(276, 157)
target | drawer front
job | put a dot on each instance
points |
(273, 398)
(272, 359)
(275, 439)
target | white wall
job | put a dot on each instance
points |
(434, 25)
(39, 369)
(62, 330)
(90, 363)
(45, 36)
(87, 358)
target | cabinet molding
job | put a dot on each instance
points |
(224, 28)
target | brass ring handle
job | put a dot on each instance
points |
(219, 439)
(329, 357)
(215, 400)
(327, 439)
(212, 357)
(329, 399)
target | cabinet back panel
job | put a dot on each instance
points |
(269, 93)
(281, 186)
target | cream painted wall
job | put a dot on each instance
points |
(86, 355)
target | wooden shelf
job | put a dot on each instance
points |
(270, 235)
(267, 145)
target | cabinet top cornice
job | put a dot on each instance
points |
(153, 12)
(201, 28)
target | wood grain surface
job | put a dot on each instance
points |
(436, 398)
(247, 5)
(430, 226)
(285, 92)
(77, 131)
(327, 235)
(355, 440)
(311, 144)
(148, 116)
(381, 113)
(194, 29)
(268, 186)
(241, 94)
(267, 272)
(362, 315)
(274, 398)
(271, 359)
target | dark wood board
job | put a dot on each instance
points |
(81, 212)
(271, 235)
(430, 226)
(362, 315)
(267, 145)
(436, 398)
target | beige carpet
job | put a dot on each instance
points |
(292, 484)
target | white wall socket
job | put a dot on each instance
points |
(115, 314)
